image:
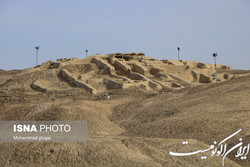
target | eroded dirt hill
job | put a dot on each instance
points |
(137, 111)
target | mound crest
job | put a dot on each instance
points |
(99, 73)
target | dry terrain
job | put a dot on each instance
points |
(137, 109)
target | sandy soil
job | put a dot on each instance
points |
(136, 114)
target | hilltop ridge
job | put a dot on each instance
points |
(99, 73)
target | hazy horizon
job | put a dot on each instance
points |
(67, 28)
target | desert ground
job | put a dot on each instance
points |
(137, 109)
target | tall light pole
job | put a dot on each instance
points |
(86, 53)
(37, 48)
(215, 55)
(178, 53)
(52, 66)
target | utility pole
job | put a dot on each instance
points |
(37, 48)
(178, 53)
(215, 55)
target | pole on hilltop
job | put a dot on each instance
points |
(215, 55)
(178, 53)
(86, 53)
(37, 48)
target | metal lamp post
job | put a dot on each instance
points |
(215, 55)
(37, 48)
(86, 53)
(178, 53)
(52, 66)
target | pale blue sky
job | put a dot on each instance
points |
(65, 28)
